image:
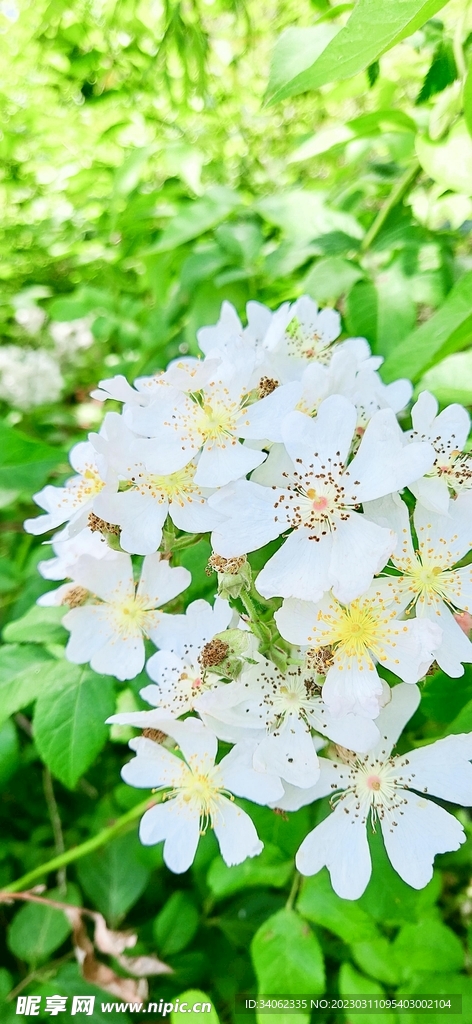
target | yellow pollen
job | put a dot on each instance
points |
(374, 782)
(357, 630)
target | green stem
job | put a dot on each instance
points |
(293, 891)
(103, 837)
(397, 193)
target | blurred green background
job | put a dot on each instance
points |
(156, 159)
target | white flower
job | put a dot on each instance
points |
(70, 336)
(141, 504)
(448, 432)
(31, 318)
(198, 794)
(391, 790)
(331, 544)
(210, 419)
(358, 636)
(29, 377)
(68, 550)
(110, 633)
(176, 668)
(279, 711)
(427, 580)
(73, 502)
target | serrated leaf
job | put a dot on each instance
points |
(287, 956)
(37, 930)
(319, 903)
(22, 671)
(330, 278)
(176, 924)
(351, 983)
(69, 721)
(270, 868)
(40, 625)
(24, 463)
(426, 945)
(114, 877)
(427, 344)
(373, 28)
(448, 162)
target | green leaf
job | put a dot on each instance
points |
(396, 311)
(176, 924)
(69, 721)
(451, 379)
(22, 673)
(9, 751)
(351, 983)
(330, 278)
(303, 215)
(194, 996)
(320, 904)
(441, 73)
(388, 899)
(37, 930)
(377, 958)
(198, 217)
(448, 162)
(373, 28)
(270, 868)
(40, 625)
(24, 463)
(294, 51)
(427, 344)
(114, 877)
(362, 311)
(467, 99)
(287, 957)
(428, 945)
(463, 721)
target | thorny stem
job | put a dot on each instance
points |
(56, 824)
(293, 891)
(103, 837)
(395, 196)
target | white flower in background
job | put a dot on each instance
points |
(448, 433)
(331, 544)
(68, 550)
(379, 787)
(31, 318)
(73, 502)
(198, 794)
(211, 422)
(261, 321)
(179, 678)
(29, 377)
(357, 637)
(279, 711)
(71, 336)
(427, 579)
(110, 632)
(139, 501)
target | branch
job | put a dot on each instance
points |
(103, 837)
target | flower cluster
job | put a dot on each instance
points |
(284, 440)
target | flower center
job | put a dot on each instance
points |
(217, 420)
(319, 502)
(357, 630)
(130, 617)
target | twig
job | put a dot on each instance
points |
(56, 823)
(395, 196)
(103, 837)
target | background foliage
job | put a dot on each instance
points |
(144, 180)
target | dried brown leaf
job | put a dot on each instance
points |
(144, 966)
(108, 941)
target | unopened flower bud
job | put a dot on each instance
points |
(234, 574)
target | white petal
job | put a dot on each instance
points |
(455, 647)
(181, 834)
(224, 461)
(289, 753)
(360, 549)
(392, 719)
(441, 769)
(340, 842)
(422, 830)
(196, 742)
(351, 731)
(251, 521)
(140, 517)
(241, 778)
(122, 657)
(115, 583)
(90, 628)
(409, 648)
(329, 435)
(154, 766)
(300, 568)
(445, 539)
(391, 513)
(264, 418)
(193, 514)
(159, 582)
(332, 777)
(354, 688)
(432, 493)
(236, 834)
(384, 463)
